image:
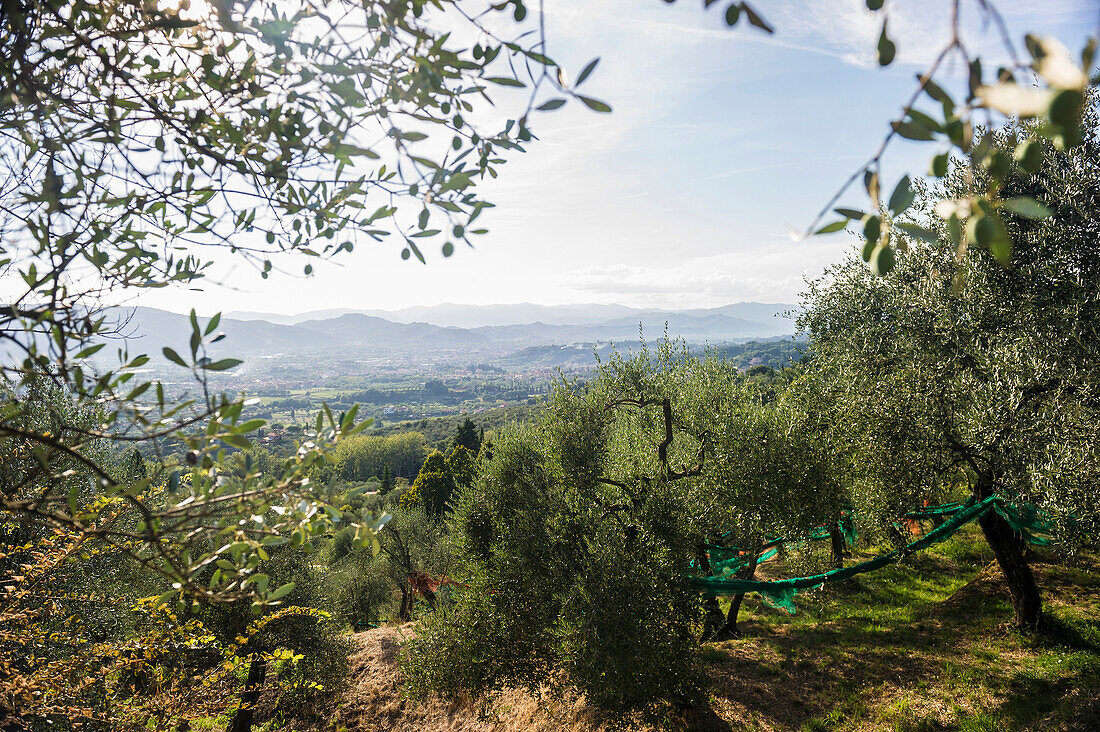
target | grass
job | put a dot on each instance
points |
(920, 646)
(924, 645)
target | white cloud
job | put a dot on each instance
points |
(921, 29)
(769, 273)
(718, 137)
(850, 30)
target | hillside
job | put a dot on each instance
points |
(476, 316)
(439, 431)
(919, 646)
(485, 331)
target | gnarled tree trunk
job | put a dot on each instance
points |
(1009, 548)
(729, 630)
(837, 541)
(404, 613)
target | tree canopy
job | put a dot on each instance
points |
(142, 142)
(990, 382)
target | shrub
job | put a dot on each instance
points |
(554, 584)
(365, 593)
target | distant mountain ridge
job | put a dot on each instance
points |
(452, 315)
(147, 330)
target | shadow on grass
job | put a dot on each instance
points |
(810, 673)
(1043, 698)
(874, 652)
(1070, 631)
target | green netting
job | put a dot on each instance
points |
(719, 554)
(940, 511)
(768, 555)
(1028, 522)
(848, 528)
(781, 593)
(726, 560)
(727, 567)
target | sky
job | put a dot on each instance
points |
(721, 142)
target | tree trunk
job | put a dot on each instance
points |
(404, 613)
(1009, 550)
(429, 597)
(729, 630)
(713, 619)
(837, 540)
(257, 672)
(10, 720)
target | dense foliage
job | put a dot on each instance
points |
(991, 383)
(141, 142)
(439, 431)
(576, 537)
(368, 456)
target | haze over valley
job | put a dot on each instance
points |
(425, 362)
(485, 330)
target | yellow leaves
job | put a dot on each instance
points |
(1015, 100)
(287, 655)
(1055, 65)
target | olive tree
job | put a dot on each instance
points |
(975, 372)
(573, 543)
(581, 533)
(142, 142)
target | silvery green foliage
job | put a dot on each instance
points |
(950, 372)
(579, 532)
(142, 140)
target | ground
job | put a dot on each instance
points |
(374, 701)
(925, 645)
(921, 646)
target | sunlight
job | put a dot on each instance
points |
(439, 364)
(194, 10)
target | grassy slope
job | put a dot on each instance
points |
(920, 646)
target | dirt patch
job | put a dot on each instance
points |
(374, 699)
(987, 586)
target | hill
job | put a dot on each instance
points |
(478, 316)
(438, 431)
(918, 646)
(361, 334)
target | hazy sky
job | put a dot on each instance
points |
(682, 197)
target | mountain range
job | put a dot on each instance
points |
(451, 315)
(489, 329)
